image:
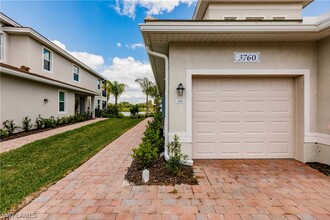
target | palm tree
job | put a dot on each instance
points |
(107, 85)
(117, 89)
(147, 88)
(155, 95)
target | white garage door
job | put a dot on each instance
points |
(243, 118)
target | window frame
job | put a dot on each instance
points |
(65, 101)
(98, 104)
(99, 83)
(50, 62)
(78, 73)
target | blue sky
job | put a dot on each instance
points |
(105, 34)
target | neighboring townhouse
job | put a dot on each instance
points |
(256, 79)
(39, 78)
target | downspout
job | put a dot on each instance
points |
(166, 122)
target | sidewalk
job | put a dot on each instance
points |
(19, 142)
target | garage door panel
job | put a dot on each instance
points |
(206, 127)
(254, 148)
(205, 149)
(229, 148)
(243, 118)
(255, 127)
(205, 107)
(279, 147)
(229, 128)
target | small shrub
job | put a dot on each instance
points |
(49, 122)
(9, 126)
(177, 159)
(27, 125)
(3, 133)
(113, 111)
(134, 110)
(120, 115)
(145, 155)
(39, 122)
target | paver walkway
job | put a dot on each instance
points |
(229, 189)
(19, 142)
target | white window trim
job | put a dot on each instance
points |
(99, 82)
(73, 66)
(51, 59)
(98, 103)
(65, 101)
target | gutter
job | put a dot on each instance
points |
(166, 124)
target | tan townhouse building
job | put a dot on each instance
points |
(256, 79)
(39, 78)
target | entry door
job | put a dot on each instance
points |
(243, 118)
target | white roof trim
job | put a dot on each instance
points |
(233, 27)
(7, 20)
(43, 80)
(32, 33)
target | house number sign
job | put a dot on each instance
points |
(247, 57)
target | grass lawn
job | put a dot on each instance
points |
(29, 168)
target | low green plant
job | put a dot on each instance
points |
(154, 133)
(177, 159)
(39, 122)
(145, 154)
(3, 133)
(50, 122)
(27, 125)
(9, 126)
(134, 110)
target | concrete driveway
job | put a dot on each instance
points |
(229, 189)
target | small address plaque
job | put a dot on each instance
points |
(247, 57)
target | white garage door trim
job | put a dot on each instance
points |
(186, 137)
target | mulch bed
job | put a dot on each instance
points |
(34, 131)
(323, 168)
(159, 175)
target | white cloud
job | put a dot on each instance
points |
(154, 7)
(134, 46)
(92, 60)
(60, 44)
(127, 70)
(123, 70)
(118, 44)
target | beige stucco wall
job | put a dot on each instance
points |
(20, 98)
(323, 98)
(220, 56)
(218, 11)
(23, 50)
(273, 55)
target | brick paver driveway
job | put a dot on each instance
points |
(229, 189)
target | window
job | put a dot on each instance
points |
(61, 101)
(98, 104)
(98, 84)
(1, 46)
(76, 73)
(47, 59)
(104, 104)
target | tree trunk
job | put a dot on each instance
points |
(147, 107)
(116, 101)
